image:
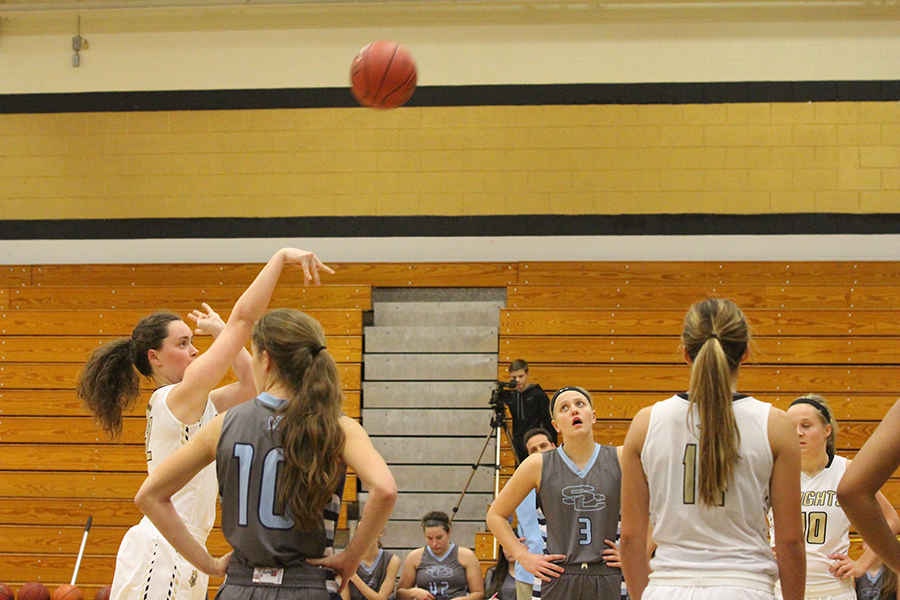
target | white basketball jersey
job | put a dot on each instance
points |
(195, 502)
(826, 527)
(694, 539)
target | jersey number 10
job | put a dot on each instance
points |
(266, 509)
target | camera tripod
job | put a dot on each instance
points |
(499, 424)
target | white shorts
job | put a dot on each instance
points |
(713, 592)
(812, 595)
(148, 568)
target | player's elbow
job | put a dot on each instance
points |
(143, 499)
(147, 499)
(385, 491)
(849, 494)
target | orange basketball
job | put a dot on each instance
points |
(383, 75)
(68, 591)
(103, 593)
(6, 592)
(34, 591)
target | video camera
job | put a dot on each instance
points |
(502, 394)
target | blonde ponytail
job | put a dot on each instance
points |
(715, 336)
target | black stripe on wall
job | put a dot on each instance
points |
(470, 226)
(467, 95)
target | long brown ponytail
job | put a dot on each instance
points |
(108, 383)
(310, 434)
(715, 336)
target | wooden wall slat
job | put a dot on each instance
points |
(68, 511)
(181, 298)
(681, 297)
(667, 350)
(451, 274)
(624, 405)
(711, 272)
(78, 348)
(63, 403)
(121, 322)
(65, 376)
(45, 455)
(62, 512)
(102, 540)
(851, 435)
(55, 569)
(764, 322)
(756, 379)
(82, 429)
(61, 484)
(13, 275)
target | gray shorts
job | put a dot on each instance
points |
(303, 583)
(574, 585)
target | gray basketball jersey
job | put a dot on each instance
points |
(373, 577)
(868, 588)
(247, 461)
(443, 577)
(581, 508)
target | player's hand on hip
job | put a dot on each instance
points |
(307, 261)
(220, 565)
(611, 555)
(842, 567)
(343, 569)
(542, 565)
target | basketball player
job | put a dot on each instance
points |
(375, 577)
(829, 569)
(161, 348)
(578, 489)
(858, 490)
(704, 466)
(280, 459)
(441, 569)
(536, 440)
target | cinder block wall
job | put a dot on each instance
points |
(721, 158)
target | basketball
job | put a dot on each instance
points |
(6, 592)
(103, 593)
(34, 591)
(383, 75)
(68, 591)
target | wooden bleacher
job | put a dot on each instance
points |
(827, 327)
(57, 465)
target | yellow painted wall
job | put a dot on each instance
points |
(736, 158)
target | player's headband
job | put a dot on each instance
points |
(570, 388)
(815, 404)
(435, 523)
